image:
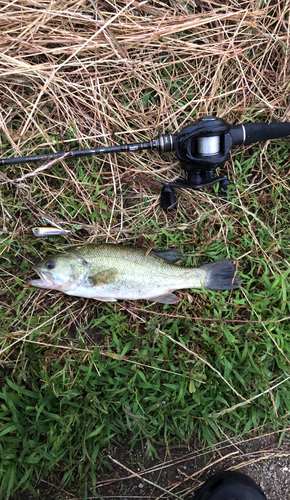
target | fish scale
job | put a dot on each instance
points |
(139, 274)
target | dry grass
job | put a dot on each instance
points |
(112, 73)
(94, 69)
(78, 74)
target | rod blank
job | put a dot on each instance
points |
(75, 154)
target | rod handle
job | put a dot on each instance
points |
(249, 133)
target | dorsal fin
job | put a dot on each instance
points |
(170, 255)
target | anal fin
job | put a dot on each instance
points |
(105, 299)
(168, 298)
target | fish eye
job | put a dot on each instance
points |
(50, 265)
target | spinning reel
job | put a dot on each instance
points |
(201, 148)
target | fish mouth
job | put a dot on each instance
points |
(48, 281)
(45, 281)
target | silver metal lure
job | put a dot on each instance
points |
(49, 231)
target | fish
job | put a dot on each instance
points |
(49, 231)
(110, 272)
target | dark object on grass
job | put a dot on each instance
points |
(200, 148)
(226, 485)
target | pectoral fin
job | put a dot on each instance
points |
(104, 277)
(169, 298)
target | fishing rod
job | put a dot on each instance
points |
(201, 148)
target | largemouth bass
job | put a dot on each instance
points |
(110, 272)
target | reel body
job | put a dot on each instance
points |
(200, 148)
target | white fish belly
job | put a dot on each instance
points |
(134, 289)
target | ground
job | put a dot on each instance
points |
(266, 459)
(185, 470)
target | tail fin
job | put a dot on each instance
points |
(221, 275)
